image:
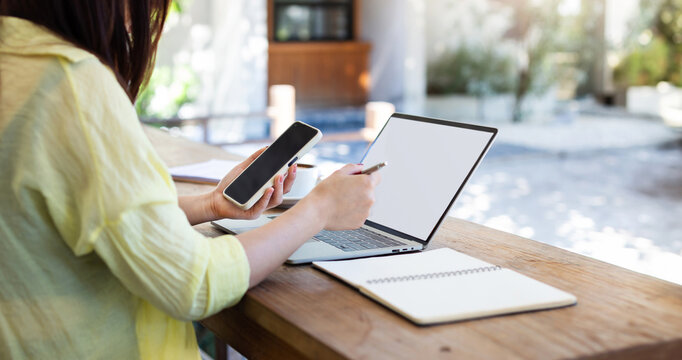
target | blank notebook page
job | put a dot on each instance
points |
(445, 285)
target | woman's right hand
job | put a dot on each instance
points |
(346, 197)
(340, 202)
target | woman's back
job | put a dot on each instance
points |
(49, 296)
(61, 146)
(98, 258)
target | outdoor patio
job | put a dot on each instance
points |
(587, 97)
(584, 159)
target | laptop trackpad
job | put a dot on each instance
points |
(313, 250)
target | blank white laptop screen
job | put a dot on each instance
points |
(427, 165)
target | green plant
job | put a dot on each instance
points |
(169, 88)
(645, 65)
(669, 26)
(579, 35)
(654, 46)
(469, 70)
(178, 6)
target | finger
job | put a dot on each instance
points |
(261, 205)
(350, 169)
(277, 196)
(291, 177)
(376, 178)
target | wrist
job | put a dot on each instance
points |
(210, 206)
(318, 208)
(197, 208)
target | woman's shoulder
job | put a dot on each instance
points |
(95, 81)
(43, 49)
(41, 60)
(23, 37)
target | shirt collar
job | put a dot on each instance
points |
(22, 37)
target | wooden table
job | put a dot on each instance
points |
(299, 312)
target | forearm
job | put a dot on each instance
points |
(269, 246)
(173, 266)
(197, 208)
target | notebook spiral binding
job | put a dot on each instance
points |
(435, 275)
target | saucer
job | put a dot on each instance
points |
(289, 201)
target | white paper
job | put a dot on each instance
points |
(208, 171)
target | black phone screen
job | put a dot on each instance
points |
(270, 161)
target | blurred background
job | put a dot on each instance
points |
(587, 95)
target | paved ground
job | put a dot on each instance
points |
(605, 186)
(620, 206)
(610, 188)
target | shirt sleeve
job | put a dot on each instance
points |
(110, 193)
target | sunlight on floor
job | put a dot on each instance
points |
(578, 233)
(621, 248)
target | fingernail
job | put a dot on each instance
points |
(281, 179)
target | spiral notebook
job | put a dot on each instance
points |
(444, 285)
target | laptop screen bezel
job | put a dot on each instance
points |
(487, 129)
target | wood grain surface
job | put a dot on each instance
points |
(299, 312)
(323, 73)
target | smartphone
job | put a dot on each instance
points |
(249, 186)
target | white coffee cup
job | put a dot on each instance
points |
(306, 179)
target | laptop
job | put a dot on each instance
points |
(429, 162)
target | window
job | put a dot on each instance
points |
(313, 20)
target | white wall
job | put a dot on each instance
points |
(240, 55)
(177, 39)
(225, 43)
(395, 28)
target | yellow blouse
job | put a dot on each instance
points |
(96, 258)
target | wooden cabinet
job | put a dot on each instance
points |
(324, 73)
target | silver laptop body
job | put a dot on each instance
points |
(429, 162)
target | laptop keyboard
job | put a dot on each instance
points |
(353, 240)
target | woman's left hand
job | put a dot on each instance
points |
(222, 208)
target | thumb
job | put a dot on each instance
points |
(350, 169)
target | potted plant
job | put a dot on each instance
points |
(462, 82)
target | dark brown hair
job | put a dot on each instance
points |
(123, 34)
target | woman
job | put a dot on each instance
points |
(98, 258)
